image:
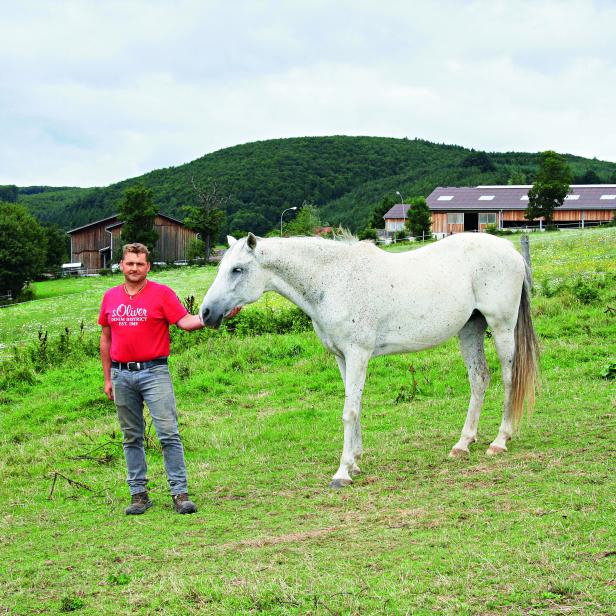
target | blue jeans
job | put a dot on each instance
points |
(152, 386)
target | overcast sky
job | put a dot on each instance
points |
(95, 92)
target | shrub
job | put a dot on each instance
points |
(494, 230)
(269, 321)
(367, 234)
(585, 290)
(26, 295)
(400, 236)
(549, 287)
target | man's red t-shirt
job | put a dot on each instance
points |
(140, 326)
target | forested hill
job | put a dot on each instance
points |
(346, 177)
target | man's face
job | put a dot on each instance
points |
(135, 267)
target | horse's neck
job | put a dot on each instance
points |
(300, 267)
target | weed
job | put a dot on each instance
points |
(407, 393)
(608, 371)
(71, 604)
(119, 579)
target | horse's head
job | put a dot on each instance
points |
(240, 281)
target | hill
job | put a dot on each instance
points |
(345, 176)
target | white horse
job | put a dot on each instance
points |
(365, 302)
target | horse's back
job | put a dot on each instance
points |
(496, 271)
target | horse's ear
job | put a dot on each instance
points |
(251, 240)
(231, 240)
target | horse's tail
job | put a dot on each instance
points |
(525, 372)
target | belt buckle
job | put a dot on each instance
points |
(133, 365)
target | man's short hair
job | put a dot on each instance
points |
(137, 249)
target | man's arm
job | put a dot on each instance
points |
(105, 347)
(190, 322)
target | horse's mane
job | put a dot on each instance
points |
(344, 235)
(341, 235)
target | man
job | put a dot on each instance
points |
(134, 346)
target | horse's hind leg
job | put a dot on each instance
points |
(505, 347)
(471, 345)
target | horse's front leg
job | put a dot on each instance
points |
(355, 363)
(357, 442)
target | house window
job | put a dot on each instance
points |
(455, 219)
(608, 197)
(486, 198)
(487, 219)
(445, 198)
(390, 225)
(572, 197)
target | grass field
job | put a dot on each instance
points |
(530, 532)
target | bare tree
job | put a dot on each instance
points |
(208, 215)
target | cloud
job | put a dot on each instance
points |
(91, 93)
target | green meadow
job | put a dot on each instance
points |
(529, 532)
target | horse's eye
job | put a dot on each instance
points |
(237, 270)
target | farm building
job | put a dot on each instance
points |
(471, 209)
(94, 245)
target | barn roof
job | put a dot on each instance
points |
(114, 222)
(93, 224)
(491, 198)
(121, 222)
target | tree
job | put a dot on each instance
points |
(22, 248)
(244, 221)
(57, 246)
(590, 177)
(480, 160)
(9, 193)
(376, 220)
(208, 215)
(305, 223)
(550, 188)
(419, 221)
(517, 177)
(137, 211)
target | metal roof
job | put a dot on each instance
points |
(495, 198)
(118, 223)
(92, 224)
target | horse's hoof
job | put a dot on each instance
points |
(495, 450)
(336, 484)
(459, 453)
(356, 470)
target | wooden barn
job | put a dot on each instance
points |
(94, 245)
(471, 209)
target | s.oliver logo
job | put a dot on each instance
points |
(125, 314)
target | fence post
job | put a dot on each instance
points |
(524, 244)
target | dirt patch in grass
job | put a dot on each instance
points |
(286, 538)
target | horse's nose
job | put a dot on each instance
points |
(205, 313)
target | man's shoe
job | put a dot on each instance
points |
(183, 504)
(139, 504)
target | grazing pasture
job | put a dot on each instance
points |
(529, 532)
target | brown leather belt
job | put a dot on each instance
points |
(138, 365)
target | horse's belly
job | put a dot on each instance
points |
(405, 337)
